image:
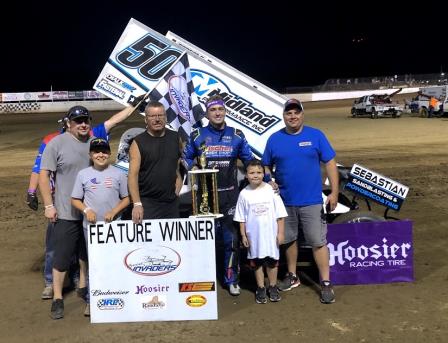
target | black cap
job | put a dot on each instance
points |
(77, 112)
(99, 144)
(293, 103)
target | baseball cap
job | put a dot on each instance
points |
(77, 112)
(99, 144)
(293, 103)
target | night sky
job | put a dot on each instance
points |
(283, 44)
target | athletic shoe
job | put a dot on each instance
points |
(47, 293)
(87, 311)
(57, 309)
(82, 292)
(289, 282)
(326, 293)
(234, 289)
(274, 295)
(260, 296)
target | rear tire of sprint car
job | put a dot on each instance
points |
(353, 112)
(358, 217)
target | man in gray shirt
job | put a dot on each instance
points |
(66, 155)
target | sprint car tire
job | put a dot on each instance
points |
(374, 114)
(358, 217)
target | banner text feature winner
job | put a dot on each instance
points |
(377, 187)
(155, 271)
(140, 59)
(371, 252)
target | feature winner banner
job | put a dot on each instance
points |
(251, 107)
(371, 252)
(376, 187)
(139, 60)
(155, 271)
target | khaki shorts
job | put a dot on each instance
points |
(309, 220)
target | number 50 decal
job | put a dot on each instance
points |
(151, 56)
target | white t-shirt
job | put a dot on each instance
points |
(260, 208)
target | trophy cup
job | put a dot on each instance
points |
(204, 189)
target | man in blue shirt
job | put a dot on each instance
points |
(294, 153)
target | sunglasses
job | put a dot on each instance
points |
(81, 120)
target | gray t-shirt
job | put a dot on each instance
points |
(66, 156)
(101, 190)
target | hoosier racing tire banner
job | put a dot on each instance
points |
(371, 252)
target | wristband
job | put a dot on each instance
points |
(32, 190)
(138, 204)
(86, 209)
(49, 206)
(267, 178)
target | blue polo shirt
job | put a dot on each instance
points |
(296, 159)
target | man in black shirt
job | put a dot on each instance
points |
(154, 180)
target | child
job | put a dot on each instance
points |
(100, 192)
(261, 215)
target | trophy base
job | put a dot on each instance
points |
(209, 215)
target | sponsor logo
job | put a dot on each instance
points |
(40, 96)
(100, 292)
(108, 88)
(237, 108)
(153, 261)
(206, 286)
(367, 256)
(178, 90)
(120, 82)
(110, 304)
(155, 302)
(305, 144)
(151, 289)
(379, 180)
(196, 300)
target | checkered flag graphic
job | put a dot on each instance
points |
(176, 92)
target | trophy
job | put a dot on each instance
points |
(204, 189)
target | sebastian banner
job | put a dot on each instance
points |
(371, 252)
(155, 271)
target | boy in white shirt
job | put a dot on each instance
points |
(260, 212)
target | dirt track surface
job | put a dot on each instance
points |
(410, 150)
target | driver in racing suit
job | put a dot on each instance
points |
(222, 145)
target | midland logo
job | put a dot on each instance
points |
(178, 90)
(238, 108)
(158, 260)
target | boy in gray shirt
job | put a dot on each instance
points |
(100, 191)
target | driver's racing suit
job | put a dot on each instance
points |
(222, 149)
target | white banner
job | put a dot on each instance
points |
(140, 59)
(156, 271)
(252, 107)
(19, 97)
